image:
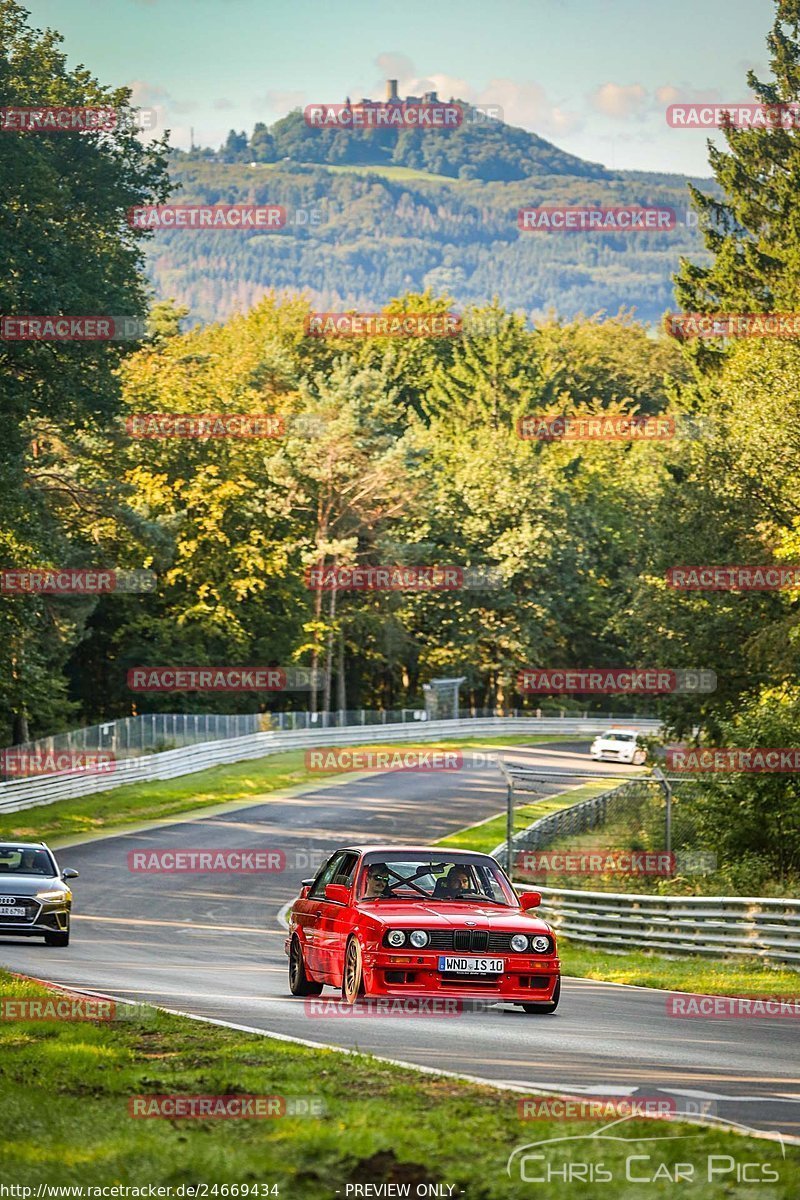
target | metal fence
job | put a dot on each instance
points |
(150, 733)
(713, 925)
(28, 793)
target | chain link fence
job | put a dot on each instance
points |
(639, 835)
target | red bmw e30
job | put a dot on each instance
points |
(399, 921)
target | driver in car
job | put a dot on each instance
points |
(457, 880)
(376, 882)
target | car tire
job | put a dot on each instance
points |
(299, 983)
(353, 973)
(544, 1009)
(56, 939)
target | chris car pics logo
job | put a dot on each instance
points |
(612, 1154)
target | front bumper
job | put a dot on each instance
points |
(529, 979)
(48, 918)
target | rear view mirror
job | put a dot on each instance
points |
(530, 900)
(338, 893)
(70, 873)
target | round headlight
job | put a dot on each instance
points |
(540, 944)
(519, 942)
(419, 938)
(396, 937)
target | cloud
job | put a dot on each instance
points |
(282, 102)
(395, 66)
(669, 94)
(528, 105)
(620, 101)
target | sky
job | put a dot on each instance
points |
(592, 76)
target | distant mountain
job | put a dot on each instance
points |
(479, 148)
(376, 213)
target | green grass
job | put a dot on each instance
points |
(689, 973)
(398, 173)
(487, 834)
(66, 1089)
(253, 780)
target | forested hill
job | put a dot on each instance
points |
(477, 149)
(359, 235)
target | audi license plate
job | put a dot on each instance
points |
(12, 912)
(471, 966)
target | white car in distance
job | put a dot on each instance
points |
(618, 745)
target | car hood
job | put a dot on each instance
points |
(29, 885)
(411, 914)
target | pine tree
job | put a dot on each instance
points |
(753, 230)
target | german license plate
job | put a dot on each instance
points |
(471, 966)
(12, 912)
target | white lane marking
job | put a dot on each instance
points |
(641, 987)
(282, 918)
(502, 1086)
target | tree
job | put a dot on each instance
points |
(65, 248)
(752, 231)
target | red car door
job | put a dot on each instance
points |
(310, 914)
(336, 921)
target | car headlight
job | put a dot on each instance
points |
(519, 942)
(419, 938)
(540, 944)
(59, 895)
(396, 937)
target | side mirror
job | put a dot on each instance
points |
(70, 873)
(338, 893)
(530, 900)
(305, 884)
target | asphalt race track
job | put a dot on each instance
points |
(212, 945)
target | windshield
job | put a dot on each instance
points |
(620, 737)
(434, 879)
(21, 860)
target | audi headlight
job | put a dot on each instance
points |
(519, 943)
(540, 944)
(396, 937)
(59, 895)
(419, 938)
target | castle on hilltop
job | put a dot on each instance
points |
(393, 97)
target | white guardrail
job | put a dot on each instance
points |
(745, 926)
(718, 925)
(18, 794)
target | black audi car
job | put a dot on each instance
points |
(35, 899)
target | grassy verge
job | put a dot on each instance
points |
(66, 1090)
(254, 780)
(487, 834)
(692, 973)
